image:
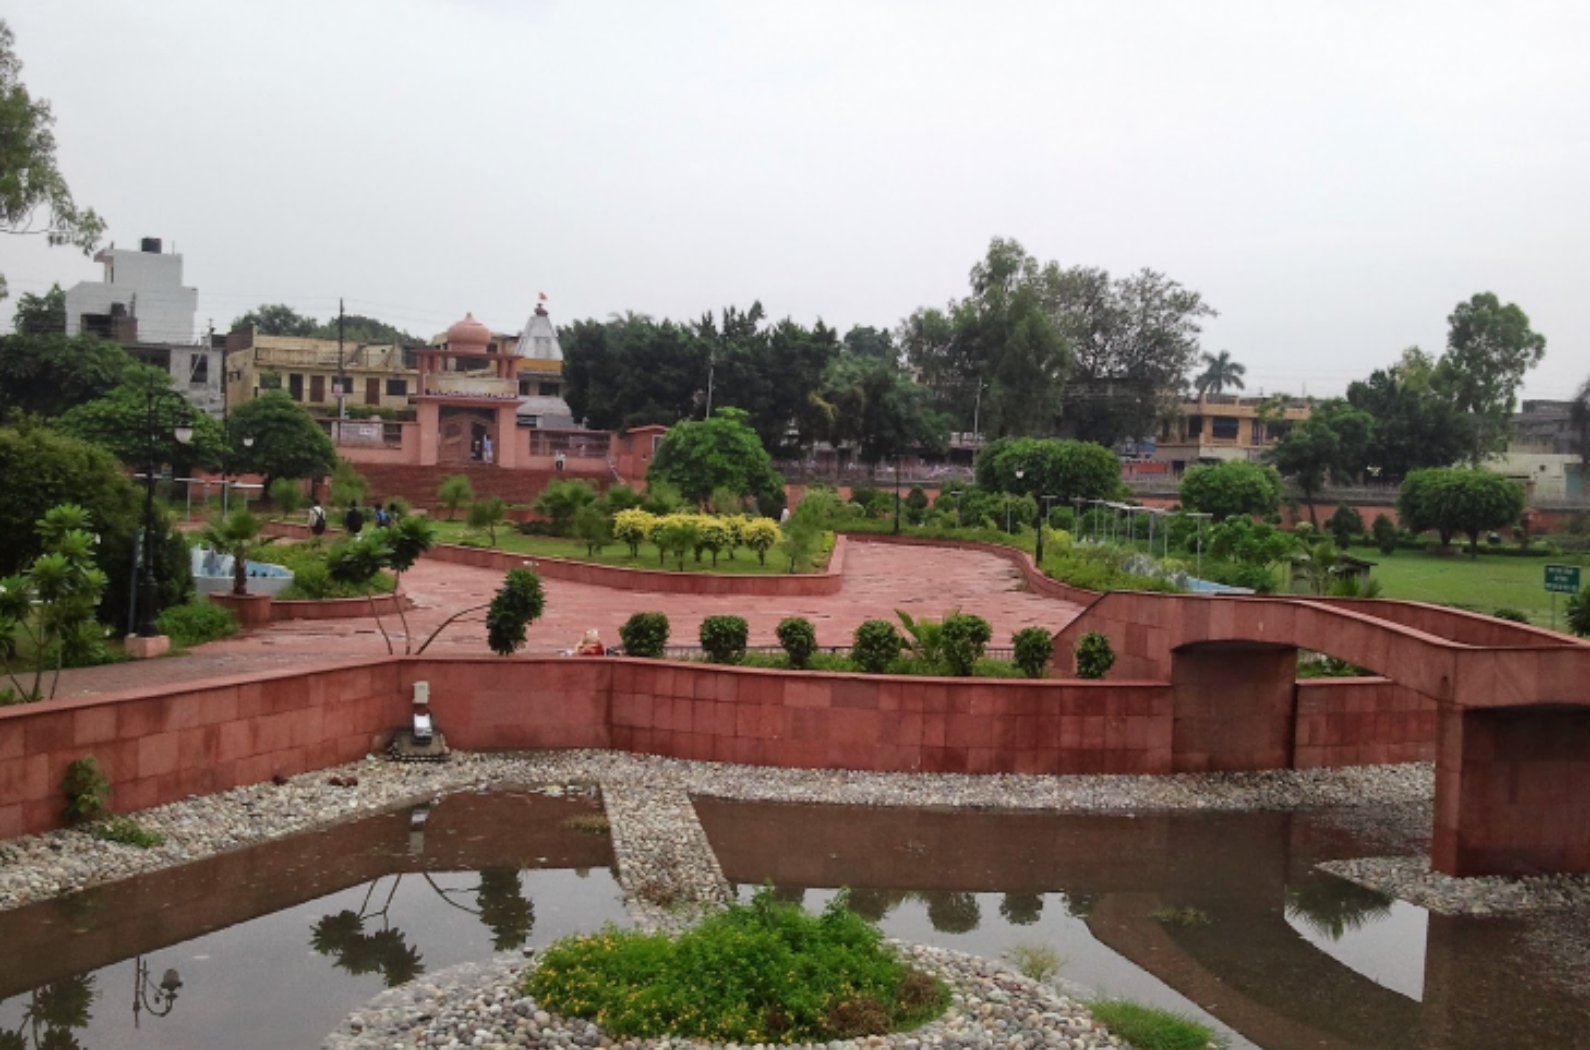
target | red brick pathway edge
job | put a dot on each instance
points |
(157, 745)
(618, 578)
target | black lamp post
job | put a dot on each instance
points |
(158, 1000)
(1043, 519)
(183, 433)
(897, 495)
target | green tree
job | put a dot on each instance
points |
(288, 443)
(279, 319)
(119, 423)
(1220, 372)
(454, 492)
(997, 360)
(1134, 340)
(48, 374)
(488, 515)
(1579, 420)
(43, 469)
(358, 330)
(721, 452)
(560, 503)
(1066, 470)
(631, 370)
(1489, 348)
(1234, 488)
(41, 314)
(873, 405)
(517, 604)
(1345, 524)
(30, 182)
(1327, 446)
(1454, 500)
(504, 909)
(1417, 423)
(593, 527)
(52, 603)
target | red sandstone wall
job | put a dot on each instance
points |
(159, 745)
(1361, 721)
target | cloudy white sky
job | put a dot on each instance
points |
(1333, 177)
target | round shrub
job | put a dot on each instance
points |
(645, 634)
(797, 978)
(1579, 614)
(1034, 647)
(1515, 615)
(723, 637)
(875, 646)
(964, 638)
(517, 603)
(196, 623)
(1094, 655)
(799, 639)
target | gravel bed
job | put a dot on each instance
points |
(1410, 879)
(480, 1005)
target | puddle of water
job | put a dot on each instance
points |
(275, 944)
(1219, 915)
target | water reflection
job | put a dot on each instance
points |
(1222, 914)
(367, 908)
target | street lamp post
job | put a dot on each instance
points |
(1020, 473)
(158, 1000)
(897, 495)
(1043, 519)
(183, 433)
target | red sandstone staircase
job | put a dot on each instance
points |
(418, 485)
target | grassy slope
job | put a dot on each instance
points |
(1486, 583)
(509, 539)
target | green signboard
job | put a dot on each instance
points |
(1562, 579)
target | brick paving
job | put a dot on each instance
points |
(923, 581)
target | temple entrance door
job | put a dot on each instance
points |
(462, 434)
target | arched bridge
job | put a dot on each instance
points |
(1513, 741)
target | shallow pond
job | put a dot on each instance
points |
(1221, 916)
(274, 945)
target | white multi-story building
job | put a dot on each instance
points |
(145, 285)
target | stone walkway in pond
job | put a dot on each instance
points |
(879, 578)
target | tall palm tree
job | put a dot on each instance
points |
(1219, 373)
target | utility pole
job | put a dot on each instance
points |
(342, 380)
(226, 433)
(712, 364)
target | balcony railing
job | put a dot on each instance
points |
(445, 385)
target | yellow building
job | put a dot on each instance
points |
(381, 376)
(1215, 427)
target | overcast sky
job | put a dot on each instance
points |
(1332, 177)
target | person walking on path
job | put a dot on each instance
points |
(353, 521)
(317, 520)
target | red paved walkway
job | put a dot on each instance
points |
(923, 581)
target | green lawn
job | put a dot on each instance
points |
(1486, 583)
(510, 539)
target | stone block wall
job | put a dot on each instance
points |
(159, 745)
(1361, 721)
(1512, 791)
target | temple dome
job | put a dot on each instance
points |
(468, 334)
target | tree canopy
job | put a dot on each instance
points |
(30, 181)
(119, 423)
(276, 319)
(1489, 348)
(1453, 500)
(1220, 372)
(1066, 470)
(1327, 446)
(281, 319)
(288, 443)
(1233, 489)
(996, 360)
(699, 457)
(47, 375)
(41, 314)
(1417, 423)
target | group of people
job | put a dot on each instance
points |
(355, 519)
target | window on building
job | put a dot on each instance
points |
(1195, 426)
(199, 369)
(317, 389)
(295, 386)
(1224, 428)
(1258, 432)
(549, 390)
(397, 388)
